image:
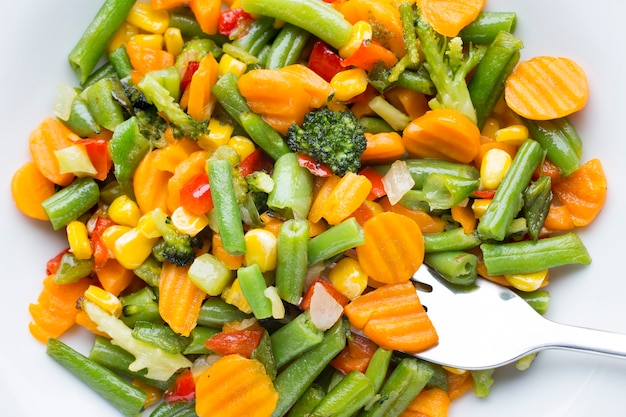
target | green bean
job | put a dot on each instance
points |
(537, 199)
(87, 52)
(81, 121)
(259, 34)
(253, 285)
(71, 202)
(127, 398)
(483, 380)
(539, 300)
(291, 265)
(106, 70)
(138, 306)
(508, 200)
(287, 47)
(378, 366)
(451, 239)
(216, 312)
(335, 240)
(417, 81)
(264, 354)
(294, 338)
(161, 336)
(103, 105)
(176, 409)
(456, 266)
(486, 27)
(560, 140)
(352, 393)
(198, 337)
(374, 124)
(530, 256)
(121, 62)
(72, 269)
(127, 147)
(442, 191)
(293, 188)
(308, 401)
(149, 271)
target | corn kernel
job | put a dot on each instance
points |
(124, 211)
(261, 249)
(528, 282)
(479, 206)
(173, 40)
(348, 277)
(188, 223)
(455, 371)
(149, 40)
(374, 206)
(147, 226)
(147, 18)
(349, 83)
(78, 238)
(242, 145)
(219, 134)
(234, 296)
(490, 127)
(361, 31)
(111, 234)
(133, 248)
(231, 64)
(494, 167)
(122, 35)
(514, 134)
(104, 299)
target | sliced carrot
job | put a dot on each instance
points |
(431, 402)
(382, 147)
(448, 17)
(55, 311)
(150, 184)
(583, 192)
(201, 102)
(442, 134)
(324, 187)
(393, 317)
(426, 222)
(459, 384)
(29, 188)
(489, 143)
(318, 88)
(558, 218)
(51, 135)
(369, 54)
(179, 299)
(393, 248)
(546, 87)
(114, 277)
(345, 197)
(232, 262)
(172, 154)
(193, 165)
(235, 386)
(144, 59)
(481, 269)
(410, 102)
(207, 13)
(464, 215)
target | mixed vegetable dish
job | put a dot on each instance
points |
(248, 186)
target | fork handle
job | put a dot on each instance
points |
(564, 336)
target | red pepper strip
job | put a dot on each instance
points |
(316, 168)
(256, 161)
(362, 214)
(486, 194)
(355, 356)
(324, 61)
(100, 251)
(376, 178)
(98, 151)
(305, 303)
(52, 266)
(234, 22)
(183, 388)
(241, 342)
(369, 53)
(195, 195)
(192, 67)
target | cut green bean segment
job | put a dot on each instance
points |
(537, 199)
(176, 409)
(295, 338)
(442, 191)
(378, 366)
(508, 200)
(451, 239)
(140, 306)
(72, 269)
(105, 71)
(198, 337)
(127, 147)
(253, 285)
(259, 34)
(93, 43)
(80, 120)
(486, 27)
(216, 312)
(264, 354)
(103, 103)
(71, 202)
(292, 263)
(561, 141)
(538, 300)
(483, 380)
(529, 256)
(352, 393)
(149, 271)
(122, 395)
(161, 336)
(121, 62)
(335, 240)
(293, 188)
(308, 401)
(287, 47)
(457, 267)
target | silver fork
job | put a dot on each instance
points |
(488, 326)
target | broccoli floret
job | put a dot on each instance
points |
(334, 138)
(175, 247)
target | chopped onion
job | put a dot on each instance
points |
(65, 96)
(398, 181)
(324, 310)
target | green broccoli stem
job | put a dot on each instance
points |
(228, 95)
(294, 338)
(443, 191)
(127, 147)
(537, 199)
(71, 202)
(486, 27)
(508, 200)
(122, 395)
(348, 396)
(253, 285)
(530, 256)
(319, 18)
(308, 401)
(487, 83)
(176, 409)
(93, 43)
(378, 366)
(561, 141)
(293, 188)
(455, 266)
(389, 113)
(291, 265)
(450, 240)
(226, 206)
(335, 240)
(287, 47)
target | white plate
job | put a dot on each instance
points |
(37, 38)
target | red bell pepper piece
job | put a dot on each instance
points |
(100, 250)
(305, 303)
(195, 195)
(52, 266)
(355, 356)
(486, 194)
(98, 151)
(316, 168)
(183, 388)
(369, 53)
(362, 214)
(324, 61)
(192, 67)
(234, 22)
(241, 342)
(376, 178)
(256, 161)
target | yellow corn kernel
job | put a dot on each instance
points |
(124, 211)
(149, 40)
(122, 35)
(242, 145)
(148, 19)
(479, 206)
(349, 83)
(132, 248)
(111, 234)
(261, 249)
(78, 238)
(374, 206)
(230, 64)
(188, 223)
(361, 31)
(490, 127)
(514, 134)
(348, 277)
(455, 371)
(147, 226)
(219, 134)
(493, 168)
(104, 299)
(173, 40)
(234, 296)
(528, 282)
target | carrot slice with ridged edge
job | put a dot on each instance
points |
(448, 17)
(546, 87)
(29, 188)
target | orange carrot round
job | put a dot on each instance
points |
(51, 135)
(546, 87)
(382, 147)
(29, 189)
(150, 184)
(450, 16)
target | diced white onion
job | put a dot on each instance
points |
(398, 181)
